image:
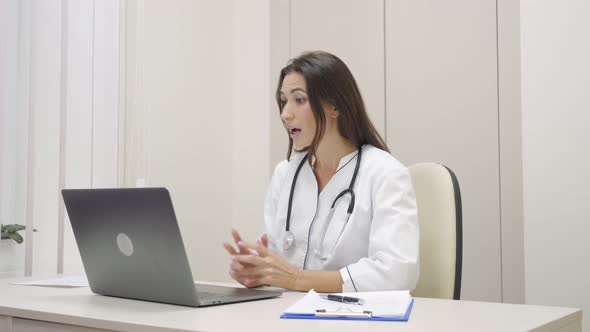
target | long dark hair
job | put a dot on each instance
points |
(329, 80)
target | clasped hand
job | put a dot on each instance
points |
(253, 264)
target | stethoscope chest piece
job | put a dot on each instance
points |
(288, 240)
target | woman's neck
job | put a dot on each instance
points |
(330, 151)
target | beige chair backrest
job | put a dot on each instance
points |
(440, 219)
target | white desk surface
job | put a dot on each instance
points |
(79, 306)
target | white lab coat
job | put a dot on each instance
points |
(377, 249)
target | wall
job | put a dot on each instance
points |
(198, 91)
(407, 57)
(510, 148)
(59, 121)
(12, 140)
(555, 81)
(252, 92)
(556, 114)
(441, 83)
(442, 106)
(197, 97)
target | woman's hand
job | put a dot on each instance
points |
(245, 273)
(253, 264)
(263, 266)
(237, 238)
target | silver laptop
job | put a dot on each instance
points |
(131, 247)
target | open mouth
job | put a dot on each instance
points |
(294, 131)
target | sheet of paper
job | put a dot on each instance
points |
(381, 304)
(66, 282)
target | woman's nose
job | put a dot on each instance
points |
(286, 114)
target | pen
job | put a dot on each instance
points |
(343, 299)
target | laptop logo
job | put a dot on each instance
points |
(125, 245)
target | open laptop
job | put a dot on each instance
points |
(131, 247)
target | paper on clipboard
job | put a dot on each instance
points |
(380, 304)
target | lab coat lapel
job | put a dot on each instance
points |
(303, 209)
(305, 201)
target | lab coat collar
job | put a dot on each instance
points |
(343, 161)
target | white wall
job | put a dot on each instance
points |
(227, 117)
(59, 120)
(253, 93)
(449, 69)
(175, 48)
(556, 145)
(442, 106)
(189, 96)
(11, 139)
(197, 98)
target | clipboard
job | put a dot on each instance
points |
(322, 314)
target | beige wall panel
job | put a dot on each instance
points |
(510, 151)
(5, 324)
(441, 84)
(279, 55)
(252, 90)
(179, 118)
(555, 135)
(353, 31)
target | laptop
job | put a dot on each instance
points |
(131, 247)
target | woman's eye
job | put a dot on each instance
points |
(300, 100)
(283, 102)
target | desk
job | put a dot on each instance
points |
(33, 309)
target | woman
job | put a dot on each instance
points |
(340, 212)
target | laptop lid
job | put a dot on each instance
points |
(131, 245)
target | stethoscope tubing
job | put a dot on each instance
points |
(349, 190)
(287, 226)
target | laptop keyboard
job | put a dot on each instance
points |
(210, 296)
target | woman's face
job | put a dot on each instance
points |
(297, 114)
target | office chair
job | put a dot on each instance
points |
(441, 235)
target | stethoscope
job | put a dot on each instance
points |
(289, 236)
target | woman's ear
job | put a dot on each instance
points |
(334, 112)
(330, 110)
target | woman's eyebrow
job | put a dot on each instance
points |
(298, 89)
(294, 90)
